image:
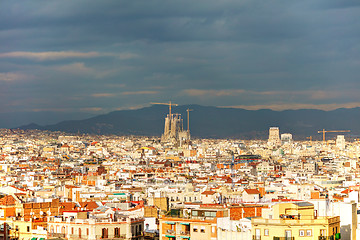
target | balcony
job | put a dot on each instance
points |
(329, 237)
(121, 236)
(185, 233)
(100, 237)
(287, 221)
(57, 235)
(77, 237)
(170, 231)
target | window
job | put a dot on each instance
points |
(257, 234)
(301, 233)
(210, 214)
(308, 232)
(28, 228)
(87, 231)
(104, 233)
(194, 213)
(287, 234)
(195, 229)
(213, 229)
(202, 229)
(266, 232)
(116, 232)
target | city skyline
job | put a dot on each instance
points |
(97, 140)
(82, 58)
(81, 186)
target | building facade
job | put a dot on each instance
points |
(294, 220)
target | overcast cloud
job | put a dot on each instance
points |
(98, 56)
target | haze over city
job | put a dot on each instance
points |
(75, 59)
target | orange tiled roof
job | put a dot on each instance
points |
(252, 191)
(7, 200)
(67, 206)
(90, 205)
(346, 191)
(208, 192)
(237, 213)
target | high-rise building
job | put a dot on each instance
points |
(286, 138)
(274, 136)
(340, 142)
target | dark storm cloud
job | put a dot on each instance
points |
(73, 21)
(103, 55)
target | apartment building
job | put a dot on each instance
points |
(294, 220)
(192, 223)
(83, 225)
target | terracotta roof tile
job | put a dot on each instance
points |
(252, 191)
(208, 193)
(7, 200)
(91, 205)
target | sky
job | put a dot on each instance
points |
(76, 58)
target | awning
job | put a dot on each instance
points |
(172, 223)
(34, 238)
(185, 223)
(41, 238)
(185, 237)
(170, 236)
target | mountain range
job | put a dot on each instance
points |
(216, 122)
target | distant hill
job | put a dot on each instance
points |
(215, 122)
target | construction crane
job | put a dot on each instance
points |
(169, 104)
(326, 131)
(188, 118)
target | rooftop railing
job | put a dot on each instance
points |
(93, 220)
(284, 238)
